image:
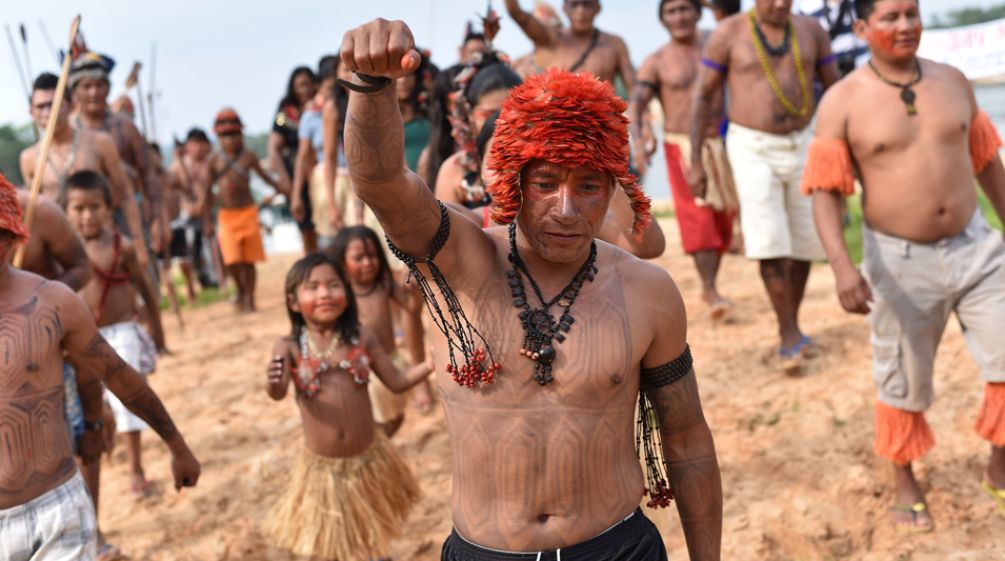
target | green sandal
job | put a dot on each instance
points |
(997, 494)
(916, 510)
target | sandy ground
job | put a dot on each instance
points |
(800, 478)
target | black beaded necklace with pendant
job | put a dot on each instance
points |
(541, 331)
(907, 94)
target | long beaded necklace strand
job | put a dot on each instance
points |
(780, 50)
(762, 55)
(907, 94)
(539, 327)
(71, 158)
(479, 365)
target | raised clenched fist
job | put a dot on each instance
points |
(380, 48)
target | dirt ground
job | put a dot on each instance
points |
(800, 479)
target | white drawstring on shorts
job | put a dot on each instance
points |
(558, 555)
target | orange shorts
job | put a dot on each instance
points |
(240, 239)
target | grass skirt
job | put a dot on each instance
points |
(344, 508)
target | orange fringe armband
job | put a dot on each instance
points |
(828, 167)
(984, 141)
(991, 419)
(901, 436)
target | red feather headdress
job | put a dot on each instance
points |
(10, 211)
(566, 119)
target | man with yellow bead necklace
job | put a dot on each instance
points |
(768, 59)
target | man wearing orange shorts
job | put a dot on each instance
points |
(239, 236)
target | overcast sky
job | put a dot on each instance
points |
(223, 52)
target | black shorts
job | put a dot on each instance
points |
(179, 244)
(634, 539)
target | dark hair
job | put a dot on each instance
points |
(291, 95)
(45, 82)
(155, 147)
(328, 67)
(865, 8)
(196, 134)
(341, 245)
(441, 142)
(86, 181)
(488, 129)
(348, 323)
(490, 78)
(727, 7)
(696, 4)
(423, 75)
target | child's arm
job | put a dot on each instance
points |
(396, 380)
(151, 299)
(279, 371)
(406, 296)
(279, 186)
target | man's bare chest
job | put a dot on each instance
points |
(30, 344)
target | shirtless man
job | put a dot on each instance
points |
(543, 457)
(74, 150)
(240, 239)
(192, 170)
(90, 86)
(44, 508)
(706, 230)
(579, 48)
(770, 109)
(910, 129)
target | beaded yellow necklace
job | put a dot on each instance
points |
(762, 56)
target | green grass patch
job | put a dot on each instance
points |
(203, 297)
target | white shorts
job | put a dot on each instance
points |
(56, 526)
(776, 218)
(133, 345)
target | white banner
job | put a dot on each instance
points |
(977, 50)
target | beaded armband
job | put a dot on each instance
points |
(648, 442)
(471, 359)
(666, 374)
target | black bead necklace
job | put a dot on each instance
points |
(907, 94)
(539, 327)
(772, 50)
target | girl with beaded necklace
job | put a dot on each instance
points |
(349, 491)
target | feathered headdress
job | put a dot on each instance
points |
(10, 211)
(227, 122)
(566, 119)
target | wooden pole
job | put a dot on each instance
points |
(43, 155)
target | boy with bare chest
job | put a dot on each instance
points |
(377, 292)
(110, 296)
(240, 240)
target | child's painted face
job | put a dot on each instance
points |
(87, 211)
(231, 143)
(321, 298)
(361, 261)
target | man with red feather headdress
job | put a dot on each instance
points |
(550, 338)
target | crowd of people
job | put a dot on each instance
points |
(493, 210)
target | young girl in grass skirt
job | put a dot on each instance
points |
(349, 492)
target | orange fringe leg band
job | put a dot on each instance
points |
(901, 436)
(991, 419)
(984, 142)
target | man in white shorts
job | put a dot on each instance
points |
(768, 59)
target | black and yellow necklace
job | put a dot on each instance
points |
(907, 94)
(764, 49)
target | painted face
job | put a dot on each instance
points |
(774, 12)
(361, 261)
(563, 209)
(680, 18)
(91, 94)
(231, 143)
(41, 105)
(893, 30)
(581, 14)
(304, 88)
(321, 298)
(488, 104)
(471, 49)
(87, 211)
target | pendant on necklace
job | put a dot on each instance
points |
(908, 96)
